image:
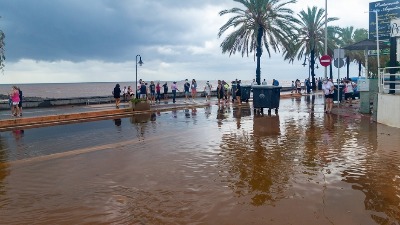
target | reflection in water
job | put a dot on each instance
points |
(3, 168)
(326, 168)
(117, 122)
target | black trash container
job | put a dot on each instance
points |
(245, 93)
(319, 85)
(266, 97)
(335, 93)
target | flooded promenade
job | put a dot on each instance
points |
(208, 165)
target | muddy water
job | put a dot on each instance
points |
(206, 166)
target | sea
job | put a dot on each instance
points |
(90, 89)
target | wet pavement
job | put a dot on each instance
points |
(207, 165)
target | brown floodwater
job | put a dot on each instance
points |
(211, 165)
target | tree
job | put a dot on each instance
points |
(261, 23)
(348, 36)
(310, 37)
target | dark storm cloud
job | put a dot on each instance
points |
(106, 30)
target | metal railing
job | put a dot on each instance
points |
(385, 81)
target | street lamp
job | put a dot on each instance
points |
(326, 36)
(140, 64)
(309, 67)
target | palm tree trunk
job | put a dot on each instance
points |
(331, 71)
(258, 54)
(312, 62)
(359, 68)
(348, 66)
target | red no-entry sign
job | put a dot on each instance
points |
(325, 60)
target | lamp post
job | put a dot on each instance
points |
(326, 36)
(309, 67)
(140, 64)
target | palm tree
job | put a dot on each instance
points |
(261, 23)
(348, 36)
(310, 37)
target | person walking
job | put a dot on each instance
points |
(298, 86)
(165, 86)
(227, 91)
(328, 89)
(265, 82)
(207, 90)
(238, 93)
(117, 95)
(130, 93)
(349, 91)
(293, 87)
(186, 88)
(158, 91)
(152, 89)
(125, 93)
(14, 95)
(174, 88)
(20, 101)
(193, 88)
(143, 91)
(220, 92)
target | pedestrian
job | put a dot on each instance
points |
(138, 86)
(174, 88)
(143, 91)
(349, 91)
(152, 89)
(125, 93)
(15, 101)
(158, 91)
(253, 83)
(298, 86)
(220, 91)
(238, 93)
(117, 95)
(207, 90)
(20, 101)
(293, 87)
(186, 88)
(265, 82)
(328, 89)
(275, 82)
(226, 91)
(193, 88)
(165, 86)
(130, 92)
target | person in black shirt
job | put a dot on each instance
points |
(117, 95)
(165, 86)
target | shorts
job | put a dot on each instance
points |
(348, 95)
(186, 93)
(15, 103)
(152, 94)
(142, 96)
(329, 96)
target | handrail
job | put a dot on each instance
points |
(384, 80)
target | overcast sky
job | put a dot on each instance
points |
(56, 41)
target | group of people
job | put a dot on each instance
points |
(329, 88)
(15, 101)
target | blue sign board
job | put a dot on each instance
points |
(387, 10)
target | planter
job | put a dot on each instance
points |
(139, 106)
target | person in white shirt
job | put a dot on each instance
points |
(207, 90)
(328, 88)
(264, 82)
(348, 91)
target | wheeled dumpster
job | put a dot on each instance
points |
(265, 96)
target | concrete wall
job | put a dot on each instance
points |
(389, 110)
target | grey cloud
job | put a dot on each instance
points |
(106, 30)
